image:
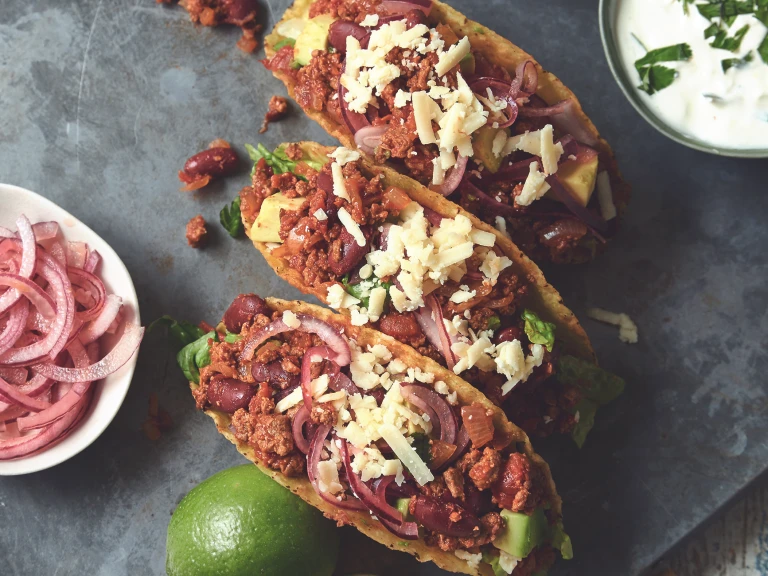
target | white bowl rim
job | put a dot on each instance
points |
(100, 412)
(631, 93)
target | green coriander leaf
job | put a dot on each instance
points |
(675, 53)
(731, 43)
(763, 49)
(284, 42)
(184, 332)
(656, 78)
(538, 331)
(712, 30)
(230, 218)
(729, 63)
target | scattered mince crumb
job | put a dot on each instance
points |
(627, 328)
(197, 233)
(278, 107)
(240, 13)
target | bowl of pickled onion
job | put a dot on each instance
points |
(69, 333)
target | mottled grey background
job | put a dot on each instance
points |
(102, 101)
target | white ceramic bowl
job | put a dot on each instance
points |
(110, 392)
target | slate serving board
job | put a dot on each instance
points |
(101, 101)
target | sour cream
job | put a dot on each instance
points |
(728, 110)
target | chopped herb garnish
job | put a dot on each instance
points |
(736, 62)
(654, 77)
(362, 290)
(230, 218)
(763, 49)
(731, 43)
(278, 160)
(284, 42)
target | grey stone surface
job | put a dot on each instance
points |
(102, 101)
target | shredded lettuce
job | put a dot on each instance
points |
(184, 332)
(538, 331)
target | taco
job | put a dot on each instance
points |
(446, 101)
(377, 436)
(386, 251)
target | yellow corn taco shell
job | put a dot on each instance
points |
(498, 51)
(362, 521)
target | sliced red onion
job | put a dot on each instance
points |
(561, 193)
(500, 89)
(446, 340)
(308, 324)
(428, 326)
(17, 320)
(301, 418)
(341, 381)
(93, 261)
(37, 440)
(112, 362)
(368, 138)
(34, 293)
(313, 459)
(422, 396)
(71, 400)
(405, 530)
(94, 286)
(378, 506)
(77, 254)
(453, 178)
(564, 118)
(354, 120)
(405, 6)
(14, 375)
(28, 261)
(98, 327)
(11, 393)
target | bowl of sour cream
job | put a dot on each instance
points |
(693, 69)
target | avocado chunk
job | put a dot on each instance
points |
(402, 505)
(467, 64)
(482, 144)
(267, 225)
(522, 532)
(579, 178)
(313, 37)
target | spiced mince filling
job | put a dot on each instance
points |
(374, 434)
(415, 94)
(438, 284)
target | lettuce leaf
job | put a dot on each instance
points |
(538, 331)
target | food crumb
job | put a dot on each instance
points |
(627, 328)
(278, 108)
(241, 13)
(197, 233)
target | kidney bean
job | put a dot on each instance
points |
(509, 334)
(242, 310)
(228, 394)
(274, 374)
(339, 30)
(415, 17)
(400, 326)
(443, 517)
(217, 161)
(351, 253)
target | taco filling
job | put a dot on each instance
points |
(438, 284)
(415, 94)
(373, 434)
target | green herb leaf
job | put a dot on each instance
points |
(736, 62)
(278, 164)
(284, 42)
(493, 323)
(655, 78)
(731, 43)
(362, 290)
(230, 218)
(596, 384)
(538, 331)
(675, 53)
(184, 332)
(561, 541)
(422, 447)
(712, 30)
(195, 355)
(763, 49)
